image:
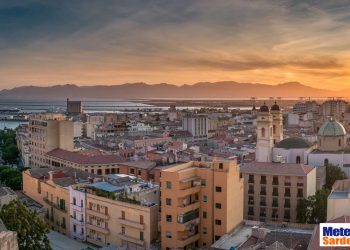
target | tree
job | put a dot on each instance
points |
(12, 178)
(333, 173)
(313, 210)
(31, 231)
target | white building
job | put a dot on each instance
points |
(77, 213)
(197, 125)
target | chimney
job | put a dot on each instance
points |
(51, 175)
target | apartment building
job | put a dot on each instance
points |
(122, 211)
(91, 161)
(197, 125)
(201, 201)
(272, 190)
(50, 188)
(48, 132)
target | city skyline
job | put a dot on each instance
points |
(183, 42)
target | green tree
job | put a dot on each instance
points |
(313, 210)
(31, 231)
(12, 178)
(333, 173)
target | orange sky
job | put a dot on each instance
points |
(176, 42)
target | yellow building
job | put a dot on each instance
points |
(110, 221)
(201, 201)
(48, 132)
(50, 188)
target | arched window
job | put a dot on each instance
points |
(274, 129)
(262, 132)
(339, 142)
(326, 162)
(298, 160)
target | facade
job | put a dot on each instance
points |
(201, 201)
(48, 132)
(272, 190)
(338, 201)
(197, 125)
(77, 204)
(74, 107)
(90, 161)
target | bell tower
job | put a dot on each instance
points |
(264, 145)
(277, 123)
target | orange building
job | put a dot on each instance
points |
(201, 201)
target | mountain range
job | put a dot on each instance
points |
(224, 89)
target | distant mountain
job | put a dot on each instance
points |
(227, 89)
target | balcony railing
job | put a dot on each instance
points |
(300, 184)
(131, 239)
(96, 213)
(251, 181)
(274, 204)
(274, 182)
(287, 184)
(251, 212)
(287, 194)
(274, 193)
(135, 224)
(263, 192)
(251, 191)
(262, 203)
(287, 205)
(54, 205)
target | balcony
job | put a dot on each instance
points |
(52, 204)
(184, 241)
(188, 224)
(97, 228)
(274, 204)
(97, 214)
(251, 181)
(187, 208)
(77, 221)
(287, 184)
(251, 191)
(274, 193)
(287, 205)
(190, 190)
(275, 183)
(131, 223)
(94, 241)
(263, 203)
(300, 195)
(300, 184)
(263, 192)
(251, 212)
(76, 207)
(131, 239)
(287, 194)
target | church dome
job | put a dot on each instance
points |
(293, 142)
(332, 128)
(264, 108)
(275, 107)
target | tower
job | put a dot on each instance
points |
(264, 145)
(277, 123)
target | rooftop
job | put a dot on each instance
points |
(293, 142)
(81, 158)
(275, 168)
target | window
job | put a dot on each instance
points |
(262, 132)
(168, 218)
(217, 237)
(205, 198)
(339, 143)
(168, 185)
(221, 165)
(326, 162)
(141, 219)
(74, 228)
(81, 203)
(275, 180)
(203, 182)
(132, 171)
(141, 235)
(263, 179)
(74, 201)
(168, 234)
(204, 215)
(274, 129)
(99, 171)
(298, 160)
(168, 201)
(139, 172)
(123, 214)
(218, 205)
(218, 222)
(251, 178)
(218, 189)
(205, 230)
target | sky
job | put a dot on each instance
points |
(88, 42)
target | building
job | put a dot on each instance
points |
(91, 161)
(122, 211)
(48, 132)
(74, 107)
(272, 190)
(23, 143)
(335, 108)
(50, 188)
(197, 125)
(201, 201)
(338, 201)
(6, 195)
(8, 239)
(269, 132)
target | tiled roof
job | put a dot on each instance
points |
(79, 158)
(140, 164)
(293, 142)
(276, 168)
